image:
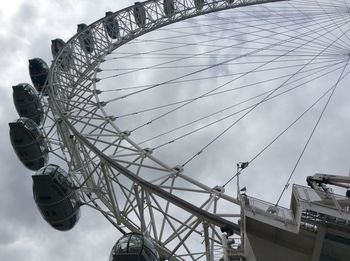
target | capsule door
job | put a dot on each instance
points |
(139, 14)
(27, 102)
(65, 58)
(169, 7)
(134, 247)
(28, 144)
(56, 202)
(86, 39)
(199, 4)
(111, 26)
(39, 71)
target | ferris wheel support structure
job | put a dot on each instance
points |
(76, 107)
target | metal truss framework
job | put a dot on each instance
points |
(133, 189)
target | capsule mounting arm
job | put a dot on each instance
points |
(319, 181)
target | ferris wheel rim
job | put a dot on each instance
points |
(211, 218)
(221, 5)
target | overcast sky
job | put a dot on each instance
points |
(26, 30)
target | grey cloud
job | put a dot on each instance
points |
(29, 34)
(23, 232)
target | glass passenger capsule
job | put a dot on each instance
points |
(169, 7)
(134, 247)
(56, 45)
(65, 58)
(139, 14)
(39, 71)
(56, 198)
(199, 4)
(27, 103)
(28, 143)
(86, 39)
(111, 26)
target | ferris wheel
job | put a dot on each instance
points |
(133, 100)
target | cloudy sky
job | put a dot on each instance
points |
(26, 30)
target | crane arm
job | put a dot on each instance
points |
(319, 181)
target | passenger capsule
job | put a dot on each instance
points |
(28, 143)
(111, 26)
(169, 7)
(56, 198)
(39, 71)
(86, 39)
(56, 45)
(134, 247)
(199, 4)
(65, 57)
(27, 103)
(139, 14)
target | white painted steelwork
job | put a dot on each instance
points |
(136, 191)
(92, 141)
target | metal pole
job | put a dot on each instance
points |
(206, 241)
(225, 247)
